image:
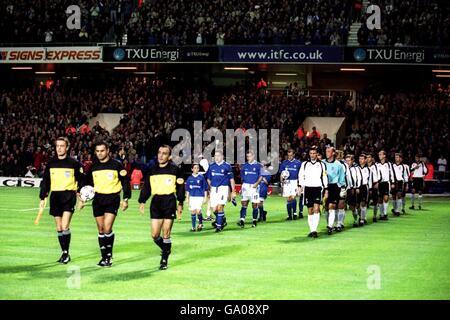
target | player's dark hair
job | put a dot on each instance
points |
(168, 147)
(101, 143)
(195, 164)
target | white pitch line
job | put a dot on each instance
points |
(21, 210)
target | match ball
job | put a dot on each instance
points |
(87, 193)
(284, 174)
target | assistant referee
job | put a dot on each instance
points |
(63, 177)
(163, 180)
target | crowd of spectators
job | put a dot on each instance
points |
(179, 22)
(219, 22)
(43, 21)
(409, 23)
(31, 119)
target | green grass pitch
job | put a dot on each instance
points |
(404, 258)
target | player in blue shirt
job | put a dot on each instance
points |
(196, 195)
(290, 184)
(251, 178)
(263, 189)
(220, 177)
(336, 181)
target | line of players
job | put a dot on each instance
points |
(214, 185)
(331, 179)
(334, 181)
(337, 182)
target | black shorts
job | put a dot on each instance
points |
(333, 194)
(398, 187)
(105, 203)
(374, 195)
(352, 197)
(418, 184)
(383, 189)
(405, 187)
(61, 201)
(313, 195)
(163, 207)
(363, 195)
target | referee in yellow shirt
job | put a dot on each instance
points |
(163, 181)
(108, 177)
(63, 177)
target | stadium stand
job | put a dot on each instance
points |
(31, 119)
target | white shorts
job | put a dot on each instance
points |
(290, 188)
(218, 196)
(195, 203)
(249, 193)
(260, 199)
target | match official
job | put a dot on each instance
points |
(63, 179)
(108, 177)
(163, 181)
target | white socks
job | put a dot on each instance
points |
(412, 199)
(399, 205)
(341, 217)
(313, 221)
(385, 207)
(363, 213)
(331, 218)
(420, 200)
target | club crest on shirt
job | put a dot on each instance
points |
(110, 175)
(169, 181)
(67, 174)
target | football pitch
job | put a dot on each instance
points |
(404, 258)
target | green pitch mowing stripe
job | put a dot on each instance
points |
(404, 258)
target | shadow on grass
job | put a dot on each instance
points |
(127, 276)
(27, 268)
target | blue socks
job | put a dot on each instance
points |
(290, 207)
(294, 206)
(219, 220)
(255, 213)
(193, 219)
(261, 212)
(243, 213)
